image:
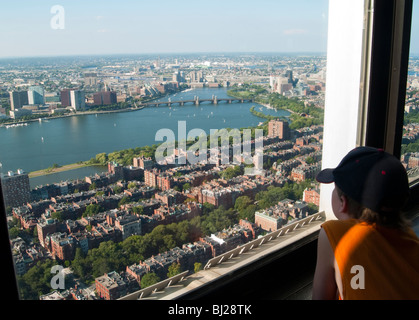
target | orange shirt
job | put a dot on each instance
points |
(375, 262)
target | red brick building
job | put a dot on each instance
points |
(62, 246)
(150, 177)
(112, 286)
(279, 129)
(268, 222)
(164, 182)
(104, 98)
(143, 163)
(312, 196)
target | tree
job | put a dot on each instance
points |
(92, 186)
(310, 160)
(232, 172)
(217, 220)
(117, 189)
(123, 201)
(242, 202)
(57, 215)
(207, 208)
(14, 232)
(132, 185)
(174, 270)
(197, 267)
(248, 213)
(186, 186)
(92, 209)
(36, 281)
(102, 158)
(138, 209)
(149, 279)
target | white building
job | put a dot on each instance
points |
(36, 95)
(77, 99)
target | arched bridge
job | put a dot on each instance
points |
(196, 101)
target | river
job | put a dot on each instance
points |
(68, 140)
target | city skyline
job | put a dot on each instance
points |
(144, 27)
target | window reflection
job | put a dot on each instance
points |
(410, 141)
(131, 220)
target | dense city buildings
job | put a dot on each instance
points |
(90, 79)
(273, 218)
(139, 78)
(135, 207)
(150, 195)
(161, 216)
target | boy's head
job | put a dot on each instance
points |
(371, 177)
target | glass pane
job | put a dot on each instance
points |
(410, 142)
(98, 202)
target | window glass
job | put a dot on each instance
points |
(410, 142)
(112, 172)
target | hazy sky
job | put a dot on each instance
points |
(164, 26)
(139, 26)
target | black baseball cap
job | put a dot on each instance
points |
(372, 177)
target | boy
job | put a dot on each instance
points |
(369, 252)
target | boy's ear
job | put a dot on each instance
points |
(343, 204)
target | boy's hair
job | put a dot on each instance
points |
(390, 219)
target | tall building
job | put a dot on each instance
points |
(279, 129)
(36, 95)
(16, 188)
(77, 99)
(18, 99)
(90, 79)
(73, 98)
(65, 98)
(104, 98)
(143, 163)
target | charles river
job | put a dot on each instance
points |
(68, 140)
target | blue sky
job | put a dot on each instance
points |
(129, 26)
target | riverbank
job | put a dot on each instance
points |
(51, 170)
(90, 112)
(79, 113)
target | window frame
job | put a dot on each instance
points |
(9, 280)
(390, 51)
(382, 83)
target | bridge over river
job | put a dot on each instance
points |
(196, 101)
